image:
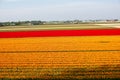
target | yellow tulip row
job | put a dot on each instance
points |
(34, 57)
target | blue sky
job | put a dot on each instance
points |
(18, 10)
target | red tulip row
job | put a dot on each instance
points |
(54, 33)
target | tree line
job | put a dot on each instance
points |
(19, 23)
(29, 23)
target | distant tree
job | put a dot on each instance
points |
(1, 24)
(116, 20)
(36, 22)
(17, 23)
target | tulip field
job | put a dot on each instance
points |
(60, 57)
(91, 54)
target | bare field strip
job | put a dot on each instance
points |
(60, 57)
(117, 25)
(55, 27)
